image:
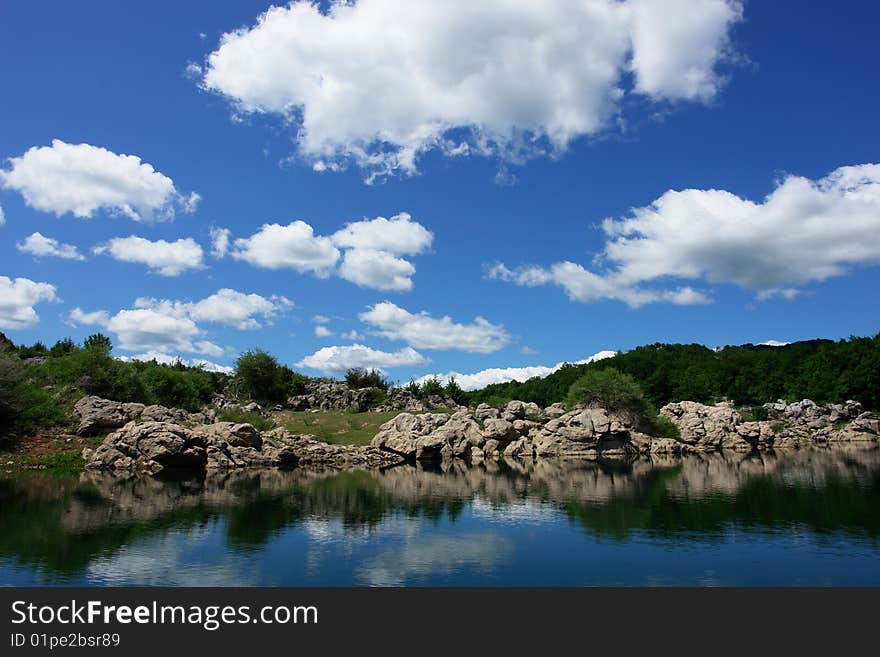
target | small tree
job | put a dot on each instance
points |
(431, 386)
(454, 391)
(98, 342)
(614, 391)
(62, 348)
(261, 377)
(357, 377)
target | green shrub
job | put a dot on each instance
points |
(663, 427)
(298, 383)
(357, 378)
(24, 404)
(754, 414)
(611, 390)
(259, 422)
(431, 386)
(454, 391)
(260, 377)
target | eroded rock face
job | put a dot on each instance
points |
(151, 447)
(583, 433)
(99, 415)
(705, 428)
(791, 426)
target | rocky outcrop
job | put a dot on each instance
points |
(401, 399)
(789, 426)
(329, 394)
(705, 428)
(519, 431)
(97, 415)
(152, 447)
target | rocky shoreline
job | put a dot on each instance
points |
(149, 439)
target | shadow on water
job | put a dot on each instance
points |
(60, 527)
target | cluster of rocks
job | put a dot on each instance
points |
(519, 430)
(151, 447)
(329, 394)
(401, 399)
(710, 428)
(97, 415)
(152, 438)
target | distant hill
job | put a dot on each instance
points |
(821, 370)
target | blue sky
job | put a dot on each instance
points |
(507, 133)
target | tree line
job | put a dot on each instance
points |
(822, 370)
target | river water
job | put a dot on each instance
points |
(795, 518)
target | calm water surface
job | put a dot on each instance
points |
(801, 518)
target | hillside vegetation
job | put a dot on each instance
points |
(821, 370)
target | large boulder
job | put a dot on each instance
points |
(583, 433)
(97, 415)
(705, 428)
(429, 436)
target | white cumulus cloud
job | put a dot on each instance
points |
(422, 331)
(82, 179)
(226, 306)
(48, 247)
(377, 270)
(399, 235)
(322, 332)
(294, 246)
(486, 377)
(164, 258)
(338, 359)
(380, 82)
(220, 242)
(370, 250)
(804, 231)
(17, 300)
(146, 329)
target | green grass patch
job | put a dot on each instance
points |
(259, 422)
(338, 427)
(57, 459)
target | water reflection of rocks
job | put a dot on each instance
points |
(65, 525)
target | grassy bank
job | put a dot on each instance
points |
(52, 454)
(338, 427)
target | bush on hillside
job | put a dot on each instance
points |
(358, 378)
(260, 377)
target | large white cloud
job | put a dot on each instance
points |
(82, 179)
(226, 306)
(379, 82)
(294, 246)
(41, 246)
(422, 331)
(399, 235)
(486, 377)
(377, 270)
(337, 359)
(17, 300)
(370, 257)
(804, 231)
(172, 327)
(146, 329)
(164, 258)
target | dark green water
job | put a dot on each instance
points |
(799, 518)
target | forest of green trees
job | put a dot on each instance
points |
(821, 370)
